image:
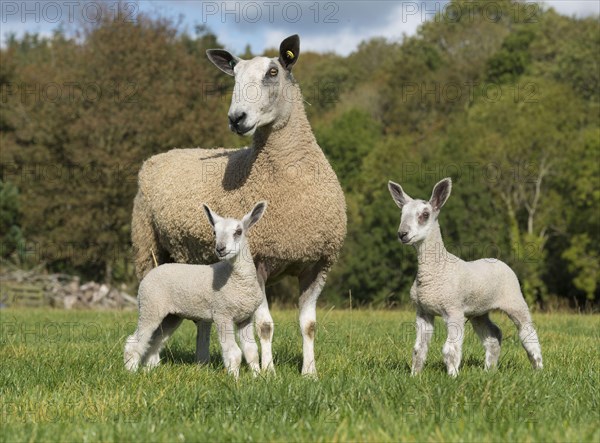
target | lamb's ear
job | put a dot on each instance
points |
(213, 217)
(254, 215)
(398, 194)
(441, 192)
(223, 60)
(289, 51)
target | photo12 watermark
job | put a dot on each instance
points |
(67, 12)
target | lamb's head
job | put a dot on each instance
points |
(230, 233)
(419, 216)
(263, 92)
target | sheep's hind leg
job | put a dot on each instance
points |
(203, 342)
(311, 285)
(248, 344)
(491, 338)
(232, 354)
(452, 350)
(527, 333)
(424, 328)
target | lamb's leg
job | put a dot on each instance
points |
(232, 354)
(248, 344)
(203, 342)
(452, 351)
(311, 285)
(264, 323)
(159, 338)
(137, 344)
(424, 334)
(519, 314)
(491, 338)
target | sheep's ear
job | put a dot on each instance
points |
(398, 194)
(213, 217)
(441, 192)
(289, 51)
(254, 215)
(223, 60)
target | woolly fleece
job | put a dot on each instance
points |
(306, 222)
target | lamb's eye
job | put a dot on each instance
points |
(273, 72)
(238, 232)
(425, 215)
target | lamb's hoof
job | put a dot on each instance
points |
(152, 362)
(414, 371)
(132, 362)
(269, 370)
(453, 372)
(255, 371)
(131, 365)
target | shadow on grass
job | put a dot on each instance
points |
(178, 356)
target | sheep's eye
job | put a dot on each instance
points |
(273, 72)
(425, 215)
(238, 232)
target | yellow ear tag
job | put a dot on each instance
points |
(290, 54)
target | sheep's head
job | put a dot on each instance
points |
(231, 233)
(262, 94)
(419, 216)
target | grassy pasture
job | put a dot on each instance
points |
(62, 379)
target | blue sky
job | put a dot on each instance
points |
(337, 26)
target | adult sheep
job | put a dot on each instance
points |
(306, 225)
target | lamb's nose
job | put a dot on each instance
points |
(236, 119)
(402, 235)
(220, 249)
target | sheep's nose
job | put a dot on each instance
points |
(402, 235)
(220, 249)
(236, 119)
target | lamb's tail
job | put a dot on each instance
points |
(143, 236)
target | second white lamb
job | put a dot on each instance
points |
(457, 290)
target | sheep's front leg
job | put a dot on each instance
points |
(424, 333)
(248, 343)
(232, 354)
(264, 323)
(311, 285)
(203, 342)
(452, 350)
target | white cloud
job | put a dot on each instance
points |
(347, 39)
(341, 38)
(575, 8)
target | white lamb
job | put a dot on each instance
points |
(226, 292)
(457, 290)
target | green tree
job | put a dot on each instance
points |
(11, 236)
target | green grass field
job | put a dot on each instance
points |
(62, 379)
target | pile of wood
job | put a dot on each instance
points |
(36, 289)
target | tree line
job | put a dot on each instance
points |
(508, 106)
